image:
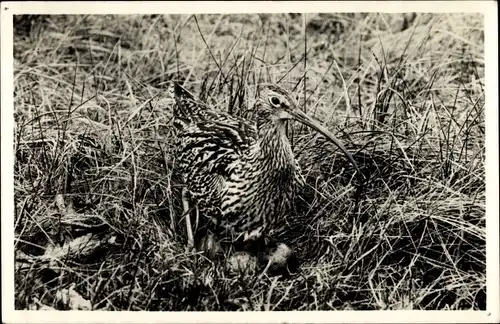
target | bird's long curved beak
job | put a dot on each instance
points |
(300, 116)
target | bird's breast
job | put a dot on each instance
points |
(258, 193)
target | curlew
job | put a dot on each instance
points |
(240, 174)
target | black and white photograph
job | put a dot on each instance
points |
(275, 159)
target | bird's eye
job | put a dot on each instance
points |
(275, 101)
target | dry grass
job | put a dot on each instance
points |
(96, 204)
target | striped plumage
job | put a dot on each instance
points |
(240, 173)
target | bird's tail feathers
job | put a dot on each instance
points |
(186, 106)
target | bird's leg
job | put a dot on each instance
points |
(197, 219)
(264, 272)
(280, 258)
(189, 229)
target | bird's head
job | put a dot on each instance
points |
(275, 105)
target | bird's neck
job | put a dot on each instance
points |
(274, 148)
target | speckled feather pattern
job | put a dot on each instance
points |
(240, 173)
